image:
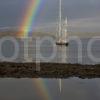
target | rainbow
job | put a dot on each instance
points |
(31, 12)
(42, 89)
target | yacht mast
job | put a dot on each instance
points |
(62, 31)
(60, 18)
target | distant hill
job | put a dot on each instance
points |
(52, 34)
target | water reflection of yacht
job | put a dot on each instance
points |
(62, 57)
(62, 54)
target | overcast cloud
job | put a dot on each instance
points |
(82, 14)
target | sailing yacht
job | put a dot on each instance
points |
(62, 35)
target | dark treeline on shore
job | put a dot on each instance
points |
(48, 70)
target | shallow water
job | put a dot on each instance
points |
(46, 49)
(48, 89)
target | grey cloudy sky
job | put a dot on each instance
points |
(82, 14)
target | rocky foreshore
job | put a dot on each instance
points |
(48, 70)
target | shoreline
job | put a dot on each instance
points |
(48, 70)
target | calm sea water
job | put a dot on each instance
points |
(48, 89)
(49, 52)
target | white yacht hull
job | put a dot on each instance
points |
(62, 43)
